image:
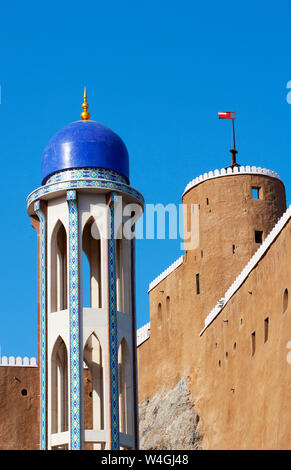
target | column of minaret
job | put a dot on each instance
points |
(91, 407)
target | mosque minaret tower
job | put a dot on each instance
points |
(87, 353)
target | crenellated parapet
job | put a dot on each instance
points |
(165, 273)
(143, 333)
(241, 170)
(18, 361)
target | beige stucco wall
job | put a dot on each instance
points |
(257, 413)
(19, 414)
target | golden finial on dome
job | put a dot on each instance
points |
(85, 115)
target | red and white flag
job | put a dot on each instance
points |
(226, 115)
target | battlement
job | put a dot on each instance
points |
(143, 334)
(246, 170)
(247, 269)
(165, 273)
(18, 361)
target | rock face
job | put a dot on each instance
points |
(168, 421)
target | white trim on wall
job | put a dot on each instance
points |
(247, 269)
(245, 170)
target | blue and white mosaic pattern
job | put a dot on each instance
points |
(84, 183)
(43, 384)
(113, 348)
(74, 321)
(81, 173)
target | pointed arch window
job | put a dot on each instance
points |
(59, 268)
(94, 361)
(92, 281)
(59, 384)
(125, 389)
(123, 249)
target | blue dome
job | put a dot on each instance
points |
(85, 144)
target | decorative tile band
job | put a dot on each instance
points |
(242, 170)
(75, 398)
(84, 173)
(114, 391)
(43, 384)
(83, 183)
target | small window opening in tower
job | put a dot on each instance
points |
(233, 249)
(197, 284)
(258, 236)
(253, 343)
(207, 201)
(285, 300)
(201, 253)
(266, 329)
(257, 192)
(168, 305)
(159, 314)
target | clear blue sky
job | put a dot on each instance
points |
(157, 72)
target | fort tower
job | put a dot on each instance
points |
(233, 211)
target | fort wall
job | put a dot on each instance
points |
(226, 378)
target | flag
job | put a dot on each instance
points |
(226, 115)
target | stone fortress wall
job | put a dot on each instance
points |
(228, 342)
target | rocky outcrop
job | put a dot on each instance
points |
(168, 421)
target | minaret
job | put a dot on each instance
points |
(87, 352)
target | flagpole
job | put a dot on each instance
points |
(233, 151)
(233, 133)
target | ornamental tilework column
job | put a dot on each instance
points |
(43, 381)
(113, 348)
(74, 312)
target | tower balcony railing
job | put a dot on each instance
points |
(61, 440)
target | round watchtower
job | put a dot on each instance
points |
(232, 210)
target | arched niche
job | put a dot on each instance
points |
(59, 268)
(92, 276)
(123, 271)
(59, 387)
(125, 389)
(95, 375)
